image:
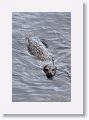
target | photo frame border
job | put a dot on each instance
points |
(76, 104)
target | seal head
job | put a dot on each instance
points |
(50, 71)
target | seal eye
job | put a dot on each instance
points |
(45, 69)
(52, 69)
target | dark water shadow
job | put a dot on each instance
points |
(84, 83)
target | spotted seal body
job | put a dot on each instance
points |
(38, 49)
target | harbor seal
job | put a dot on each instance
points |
(40, 50)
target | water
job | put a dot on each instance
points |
(29, 83)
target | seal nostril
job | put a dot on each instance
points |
(49, 75)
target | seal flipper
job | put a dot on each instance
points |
(45, 44)
(43, 41)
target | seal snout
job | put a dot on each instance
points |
(49, 75)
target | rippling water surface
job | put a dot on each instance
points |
(29, 83)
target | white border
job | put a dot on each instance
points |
(76, 104)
